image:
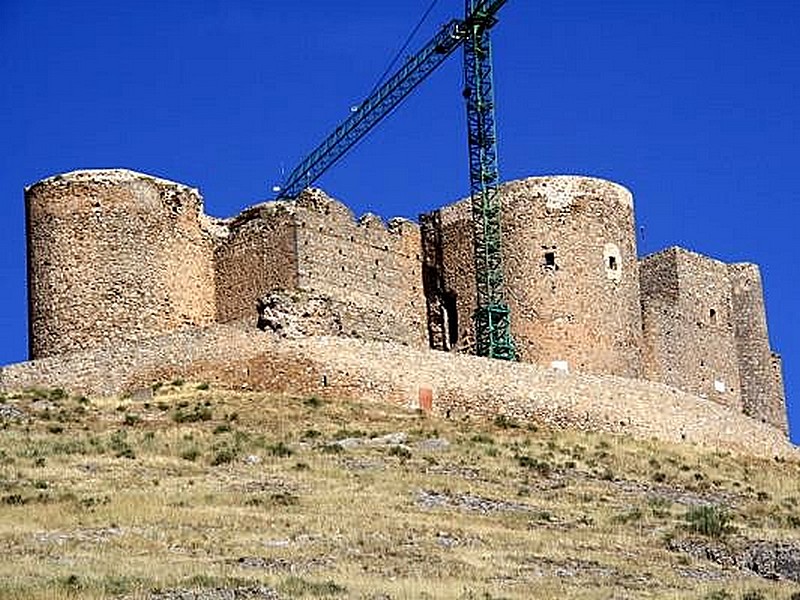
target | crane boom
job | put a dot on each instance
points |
(381, 102)
(372, 110)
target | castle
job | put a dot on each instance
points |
(119, 257)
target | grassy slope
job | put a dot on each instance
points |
(202, 488)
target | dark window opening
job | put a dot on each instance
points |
(612, 263)
(712, 315)
(450, 318)
(549, 259)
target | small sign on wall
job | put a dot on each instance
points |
(426, 399)
(720, 386)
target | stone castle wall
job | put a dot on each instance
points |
(688, 317)
(571, 274)
(366, 264)
(115, 256)
(259, 254)
(761, 397)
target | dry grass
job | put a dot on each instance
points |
(200, 488)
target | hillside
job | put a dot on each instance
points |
(196, 492)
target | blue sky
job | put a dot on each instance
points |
(691, 104)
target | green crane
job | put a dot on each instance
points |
(492, 316)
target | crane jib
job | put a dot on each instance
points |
(377, 106)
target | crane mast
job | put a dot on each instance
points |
(492, 315)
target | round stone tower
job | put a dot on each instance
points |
(571, 273)
(114, 256)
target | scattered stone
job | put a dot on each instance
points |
(98, 536)
(284, 565)
(767, 559)
(11, 413)
(252, 459)
(468, 502)
(433, 445)
(257, 592)
(390, 439)
(348, 443)
(773, 560)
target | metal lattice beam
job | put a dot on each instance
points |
(372, 110)
(492, 316)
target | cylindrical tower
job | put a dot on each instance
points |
(569, 246)
(114, 255)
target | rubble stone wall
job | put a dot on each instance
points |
(761, 397)
(115, 256)
(688, 317)
(371, 266)
(464, 387)
(450, 277)
(259, 255)
(777, 404)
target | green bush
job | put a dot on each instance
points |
(400, 452)
(709, 520)
(504, 422)
(297, 587)
(718, 595)
(540, 466)
(190, 454)
(186, 415)
(280, 450)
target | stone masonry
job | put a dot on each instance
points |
(571, 274)
(689, 336)
(124, 262)
(114, 256)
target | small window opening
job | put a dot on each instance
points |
(712, 315)
(612, 263)
(550, 259)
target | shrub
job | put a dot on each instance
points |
(223, 455)
(190, 454)
(119, 445)
(719, 595)
(629, 516)
(312, 402)
(198, 413)
(709, 520)
(283, 499)
(280, 450)
(504, 422)
(540, 466)
(131, 419)
(401, 452)
(310, 434)
(754, 595)
(297, 587)
(203, 386)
